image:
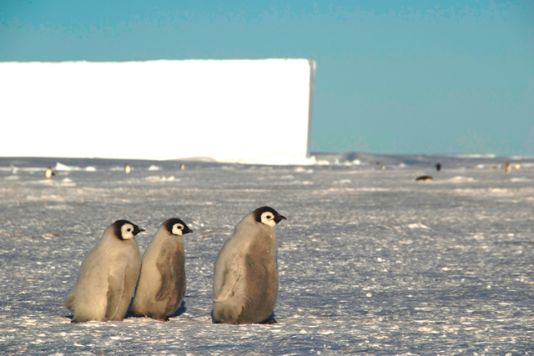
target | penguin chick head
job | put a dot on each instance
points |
(125, 230)
(268, 216)
(177, 227)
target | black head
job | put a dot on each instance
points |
(125, 230)
(268, 216)
(177, 227)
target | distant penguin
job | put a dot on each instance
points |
(108, 276)
(49, 173)
(127, 168)
(161, 286)
(438, 166)
(245, 285)
(182, 167)
(424, 179)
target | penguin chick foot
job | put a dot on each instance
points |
(158, 318)
(269, 321)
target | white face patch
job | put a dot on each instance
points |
(127, 232)
(177, 229)
(267, 218)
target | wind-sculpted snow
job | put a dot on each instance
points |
(370, 260)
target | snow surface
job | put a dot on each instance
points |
(370, 260)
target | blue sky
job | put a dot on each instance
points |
(392, 76)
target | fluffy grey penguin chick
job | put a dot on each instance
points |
(245, 285)
(108, 276)
(161, 286)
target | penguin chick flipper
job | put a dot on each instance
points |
(167, 288)
(114, 296)
(178, 280)
(230, 284)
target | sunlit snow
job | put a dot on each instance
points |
(370, 260)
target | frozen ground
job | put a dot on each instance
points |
(370, 261)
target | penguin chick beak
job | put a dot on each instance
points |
(137, 230)
(280, 218)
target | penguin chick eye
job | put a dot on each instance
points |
(127, 232)
(177, 229)
(267, 218)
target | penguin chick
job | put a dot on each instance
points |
(49, 173)
(424, 179)
(161, 286)
(108, 276)
(245, 284)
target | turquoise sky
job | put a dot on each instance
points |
(392, 76)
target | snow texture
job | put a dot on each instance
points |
(370, 260)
